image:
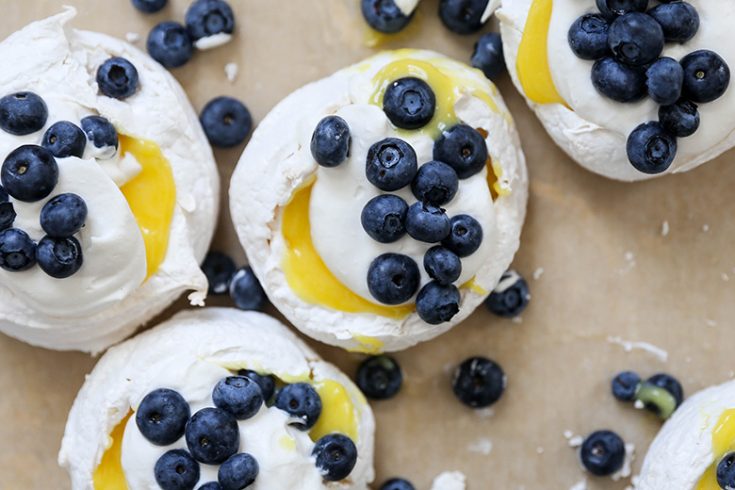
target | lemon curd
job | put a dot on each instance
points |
(109, 475)
(723, 442)
(339, 413)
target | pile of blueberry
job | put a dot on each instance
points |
(242, 285)
(661, 394)
(459, 16)
(626, 40)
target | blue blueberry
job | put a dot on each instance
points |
(336, 456)
(603, 453)
(465, 235)
(588, 37)
(613, 8)
(463, 149)
(22, 113)
(726, 471)
(238, 472)
(479, 382)
(331, 141)
(169, 44)
(409, 103)
(397, 484)
(59, 257)
(206, 18)
(679, 20)
(63, 215)
(625, 386)
(510, 297)
(384, 218)
(379, 377)
(238, 395)
(636, 39)
(219, 269)
(384, 15)
(462, 16)
(29, 173)
(301, 402)
(436, 183)
(670, 384)
(100, 132)
(65, 139)
(267, 383)
(680, 119)
(391, 164)
(7, 210)
(213, 485)
(162, 416)
(437, 303)
(487, 55)
(617, 81)
(651, 149)
(427, 223)
(665, 80)
(149, 6)
(706, 76)
(212, 435)
(442, 265)
(226, 122)
(117, 78)
(17, 250)
(393, 278)
(246, 291)
(176, 470)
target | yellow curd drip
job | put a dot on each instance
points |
(338, 411)
(109, 475)
(474, 287)
(376, 39)
(723, 442)
(151, 196)
(368, 345)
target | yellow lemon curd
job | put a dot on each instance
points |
(723, 442)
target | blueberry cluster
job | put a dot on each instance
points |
(627, 39)
(242, 285)
(459, 16)
(661, 394)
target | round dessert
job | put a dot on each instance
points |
(108, 192)
(218, 396)
(630, 90)
(380, 206)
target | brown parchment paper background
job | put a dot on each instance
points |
(607, 271)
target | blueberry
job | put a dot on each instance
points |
(479, 382)
(206, 18)
(7, 210)
(161, 416)
(409, 103)
(397, 484)
(706, 76)
(651, 149)
(22, 113)
(636, 39)
(59, 257)
(465, 235)
(331, 141)
(463, 149)
(436, 183)
(65, 139)
(588, 37)
(617, 81)
(625, 386)
(246, 291)
(384, 218)
(384, 15)
(176, 470)
(665, 80)
(169, 44)
(442, 265)
(213, 485)
(391, 164)
(17, 250)
(29, 173)
(612, 8)
(117, 78)
(726, 471)
(267, 383)
(100, 132)
(212, 435)
(603, 453)
(680, 119)
(335, 455)
(238, 395)
(219, 269)
(393, 278)
(670, 384)
(510, 297)
(226, 122)
(379, 377)
(487, 55)
(149, 6)
(462, 16)
(302, 402)
(679, 20)
(63, 215)
(437, 303)
(238, 472)
(427, 223)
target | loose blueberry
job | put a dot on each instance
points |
(680, 119)
(176, 470)
(17, 250)
(651, 149)
(465, 235)
(29, 173)
(213, 485)
(393, 278)
(162, 416)
(149, 6)
(442, 265)
(209, 17)
(436, 303)
(267, 383)
(384, 218)
(331, 141)
(117, 78)
(397, 484)
(479, 382)
(625, 386)
(384, 15)
(487, 55)
(462, 16)
(726, 471)
(603, 453)
(22, 113)
(212, 436)
(588, 37)
(436, 183)
(226, 122)
(612, 8)
(391, 164)
(665, 80)
(169, 44)
(302, 402)
(679, 20)
(636, 39)
(238, 395)
(510, 297)
(63, 215)
(617, 81)
(7, 211)
(463, 149)
(336, 456)
(219, 269)
(427, 223)
(100, 132)
(409, 103)
(706, 76)
(238, 472)
(379, 377)
(59, 257)
(246, 291)
(65, 139)
(670, 384)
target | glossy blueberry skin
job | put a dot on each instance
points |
(331, 141)
(706, 76)
(29, 173)
(625, 385)
(409, 103)
(436, 183)
(427, 223)
(384, 16)
(680, 119)
(212, 435)
(238, 395)
(636, 39)
(117, 78)
(206, 18)
(65, 139)
(465, 235)
(618, 81)
(169, 44)
(59, 257)
(302, 402)
(246, 291)
(393, 278)
(226, 122)
(462, 16)
(336, 456)
(149, 6)
(588, 37)
(463, 149)
(162, 416)
(7, 210)
(100, 132)
(219, 269)
(479, 382)
(267, 383)
(603, 453)
(511, 301)
(670, 384)
(487, 55)
(63, 215)
(397, 484)
(384, 218)
(679, 20)
(238, 472)
(17, 250)
(379, 377)
(391, 164)
(436, 303)
(22, 113)
(665, 81)
(613, 8)
(176, 470)
(726, 471)
(213, 485)
(442, 265)
(651, 149)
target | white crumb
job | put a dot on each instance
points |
(449, 480)
(710, 323)
(639, 405)
(538, 273)
(231, 71)
(482, 446)
(517, 319)
(568, 434)
(582, 485)
(132, 37)
(705, 228)
(626, 470)
(576, 441)
(629, 346)
(665, 228)
(725, 277)
(485, 413)
(539, 450)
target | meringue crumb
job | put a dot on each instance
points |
(485, 413)
(231, 71)
(582, 485)
(568, 434)
(705, 228)
(725, 277)
(538, 273)
(629, 346)
(639, 405)
(576, 441)
(626, 470)
(132, 37)
(665, 229)
(517, 319)
(710, 323)
(540, 450)
(482, 446)
(449, 480)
